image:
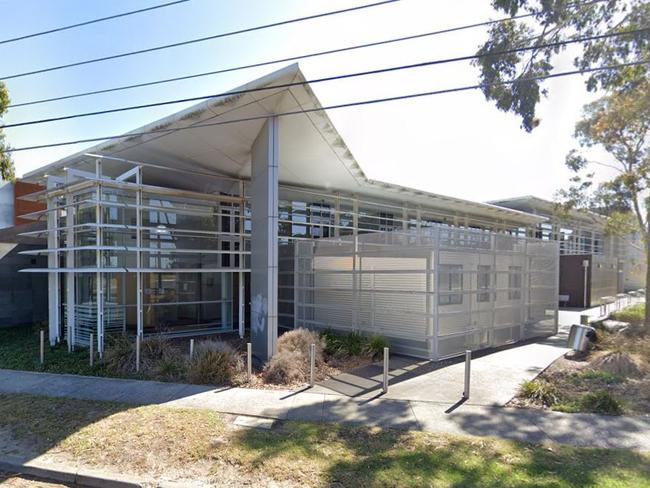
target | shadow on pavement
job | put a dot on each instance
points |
(572, 429)
(366, 380)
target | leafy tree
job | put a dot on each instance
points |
(7, 171)
(551, 21)
(620, 124)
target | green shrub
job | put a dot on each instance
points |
(171, 367)
(214, 363)
(634, 314)
(353, 344)
(540, 391)
(119, 354)
(600, 401)
(342, 345)
(567, 407)
(159, 358)
(600, 376)
(153, 350)
(331, 339)
(374, 346)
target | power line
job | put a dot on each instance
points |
(93, 21)
(200, 39)
(275, 61)
(288, 59)
(334, 107)
(331, 78)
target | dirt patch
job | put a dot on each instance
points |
(612, 377)
(619, 363)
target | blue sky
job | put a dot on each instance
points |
(456, 144)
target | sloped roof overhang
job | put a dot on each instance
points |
(215, 137)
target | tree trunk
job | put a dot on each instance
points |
(647, 281)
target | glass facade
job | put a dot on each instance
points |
(141, 259)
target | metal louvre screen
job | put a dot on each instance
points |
(604, 277)
(433, 292)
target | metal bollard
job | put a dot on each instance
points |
(92, 353)
(386, 356)
(249, 361)
(42, 351)
(468, 362)
(312, 363)
(191, 349)
(137, 353)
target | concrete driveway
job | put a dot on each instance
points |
(495, 375)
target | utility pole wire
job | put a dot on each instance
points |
(329, 78)
(94, 21)
(199, 39)
(275, 61)
(334, 107)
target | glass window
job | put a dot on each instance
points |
(451, 280)
(386, 221)
(483, 283)
(514, 282)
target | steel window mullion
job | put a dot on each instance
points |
(54, 298)
(241, 288)
(70, 276)
(99, 275)
(138, 255)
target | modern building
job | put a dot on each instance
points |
(197, 224)
(593, 263)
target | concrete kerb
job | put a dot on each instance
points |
(62, 474)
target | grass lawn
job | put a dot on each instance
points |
(19, 349)
(200, 445)
(634, 314)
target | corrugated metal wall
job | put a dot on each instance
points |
(433, 292)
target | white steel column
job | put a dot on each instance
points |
(264, 240)
(221, 245)
(356, 262)
(337, 216)
(138, 254)
(54, 298)
(70, 276)
(99, 241)
(405, 217)
(428, 305)
(241, 228)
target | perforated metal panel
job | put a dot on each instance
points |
(433, 292)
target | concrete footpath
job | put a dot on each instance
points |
(480, 420)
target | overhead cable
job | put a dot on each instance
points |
(329, 78)
(199, 39)
(334, 107)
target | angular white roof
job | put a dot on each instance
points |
(539, 206)
(312, 152)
